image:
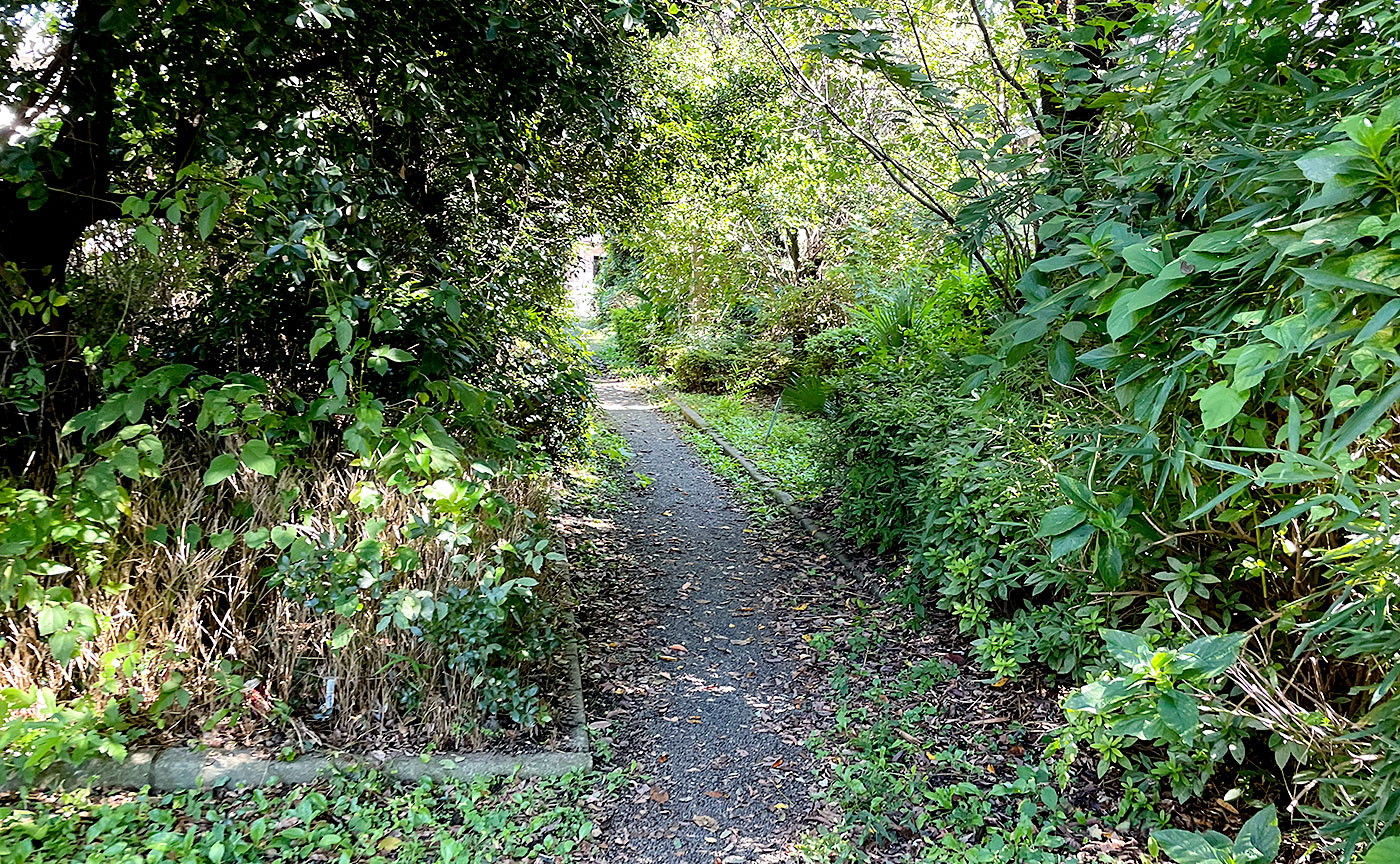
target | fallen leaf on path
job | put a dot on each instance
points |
(659, 795)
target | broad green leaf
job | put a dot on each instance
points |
(1060, 520)
(1128, 649)
(1061, 362)
(1325, 163)
(149, 236)
(1144, 259)
(1072, 542)
(282, 536)
(1386, 851)
(1103, 356)
(1258, 840)
(319, 341)
(1219, 404)
(342, 636)
(257, 455)
(1188, 847)
(223, 467)
(1211, 655)
(1181, 713)
(52, 618)
(63, 645)
(393, 355)
(127, 460)
(1122, 317)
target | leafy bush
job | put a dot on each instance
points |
(960, 486)
(701, 364)
(1213, 248)
(632, 324)
(831, 351)
(1244, 328)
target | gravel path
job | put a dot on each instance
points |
(699, 680)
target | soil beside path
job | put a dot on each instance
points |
(691, 665)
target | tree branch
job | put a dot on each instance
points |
(1002, 70)
(902, 175)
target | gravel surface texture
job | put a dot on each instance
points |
(703, 672)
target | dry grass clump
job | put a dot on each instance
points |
(204, 631)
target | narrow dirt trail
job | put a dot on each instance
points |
(698, 682)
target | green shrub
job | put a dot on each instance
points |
(632, 325)
(832, 351)
(960, 485)
(705, 365)
(765, 365)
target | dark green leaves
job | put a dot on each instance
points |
(1061, 519)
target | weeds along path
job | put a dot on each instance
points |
(694, 667)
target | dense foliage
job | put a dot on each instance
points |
(1140, 428)
(283, 365)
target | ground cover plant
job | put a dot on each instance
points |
(348, 819)
(781, 443)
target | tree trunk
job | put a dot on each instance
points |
(35, 243)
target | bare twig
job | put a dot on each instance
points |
(1002, 70)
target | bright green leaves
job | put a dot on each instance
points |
(380, 358)
(1163, 695)
(1064, 518)
(1219, 404)
(223, 467)
(1128, 649)
(1181, 713)
(1257, 843)
(65, 624)
(256, 455)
